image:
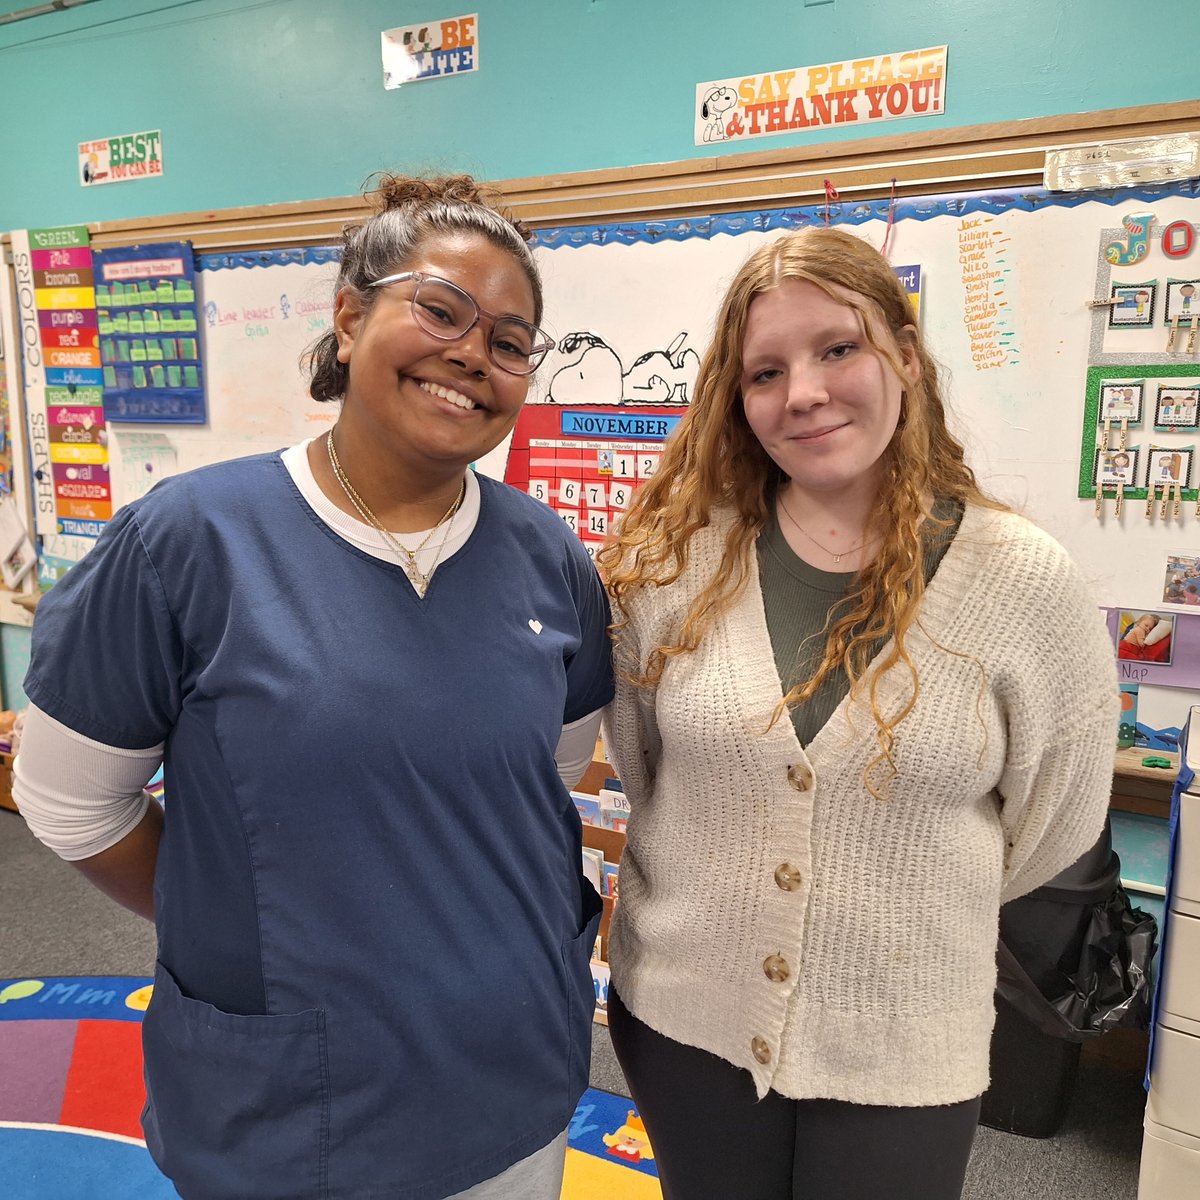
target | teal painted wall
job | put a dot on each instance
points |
(14, 658)
(283, 100)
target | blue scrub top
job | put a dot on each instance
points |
(373, 931)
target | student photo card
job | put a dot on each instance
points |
(1145, 636)
(1183, 301)
(1177, 407)
(1132, 305)
(1121, 400)
(1169, 466)
(1115, 466)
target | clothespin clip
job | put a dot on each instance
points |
(1178, 498)
(1107, 430)
(1104, 303)
(1191, 346)
(1120, 498)
(1124, 432)
(831, 196)
(1151, 495)
(1167, 488)
(1100, 502)
(1173, 331)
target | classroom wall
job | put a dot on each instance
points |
(283, 99)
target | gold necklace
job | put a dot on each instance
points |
(407, 557)
(837, 558)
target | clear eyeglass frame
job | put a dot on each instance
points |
(521, 356)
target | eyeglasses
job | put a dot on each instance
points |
(443, 309)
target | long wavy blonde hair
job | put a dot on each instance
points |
(713, 460)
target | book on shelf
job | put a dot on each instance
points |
(610, 879)
(600, 978)
(614, 809)
(588, 807)
(593, 869)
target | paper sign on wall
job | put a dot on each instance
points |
(910, 280)
(856, 92)
(115, 159)
(430, 50)
(149, 333)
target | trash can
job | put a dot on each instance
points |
(1073, 962)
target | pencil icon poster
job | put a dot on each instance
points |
(150, 334)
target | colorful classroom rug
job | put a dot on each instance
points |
(71, 1097)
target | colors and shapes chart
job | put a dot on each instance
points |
(68, 440)
(71, 1097)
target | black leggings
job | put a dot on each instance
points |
(713, 1140)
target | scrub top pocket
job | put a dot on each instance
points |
(581, 992)
(237, 1106)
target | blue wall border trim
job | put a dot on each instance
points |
(296, 256)
(918, 208)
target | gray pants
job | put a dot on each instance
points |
(538, 1177)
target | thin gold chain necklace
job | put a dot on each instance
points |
(407, 557)
(837, 558)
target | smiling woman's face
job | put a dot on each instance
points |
(822, 401)
(440, 401)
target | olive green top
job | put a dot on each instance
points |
(797, 598)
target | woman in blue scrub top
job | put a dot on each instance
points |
(368, 673)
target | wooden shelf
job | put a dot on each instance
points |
(6, 800)
(1139, 789)
(611, 843)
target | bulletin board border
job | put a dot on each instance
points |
(923, 208)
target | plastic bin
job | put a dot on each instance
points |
(1035, 1052)
(1033, 1077)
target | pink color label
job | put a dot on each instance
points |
(65, 256)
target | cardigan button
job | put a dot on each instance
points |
(776, 968)
(800, 777)
(760, 1050)
(788, 878)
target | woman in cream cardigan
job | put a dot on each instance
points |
(841, 750)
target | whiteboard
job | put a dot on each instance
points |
(1005, 286)
(259, 313)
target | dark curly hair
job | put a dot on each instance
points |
(410, 212)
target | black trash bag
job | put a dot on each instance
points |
(1102, 983)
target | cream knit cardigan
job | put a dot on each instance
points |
(750, 858)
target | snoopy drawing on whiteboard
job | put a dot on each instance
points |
(595, 375)
(717, 101)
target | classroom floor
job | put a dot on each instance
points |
(53, 923)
